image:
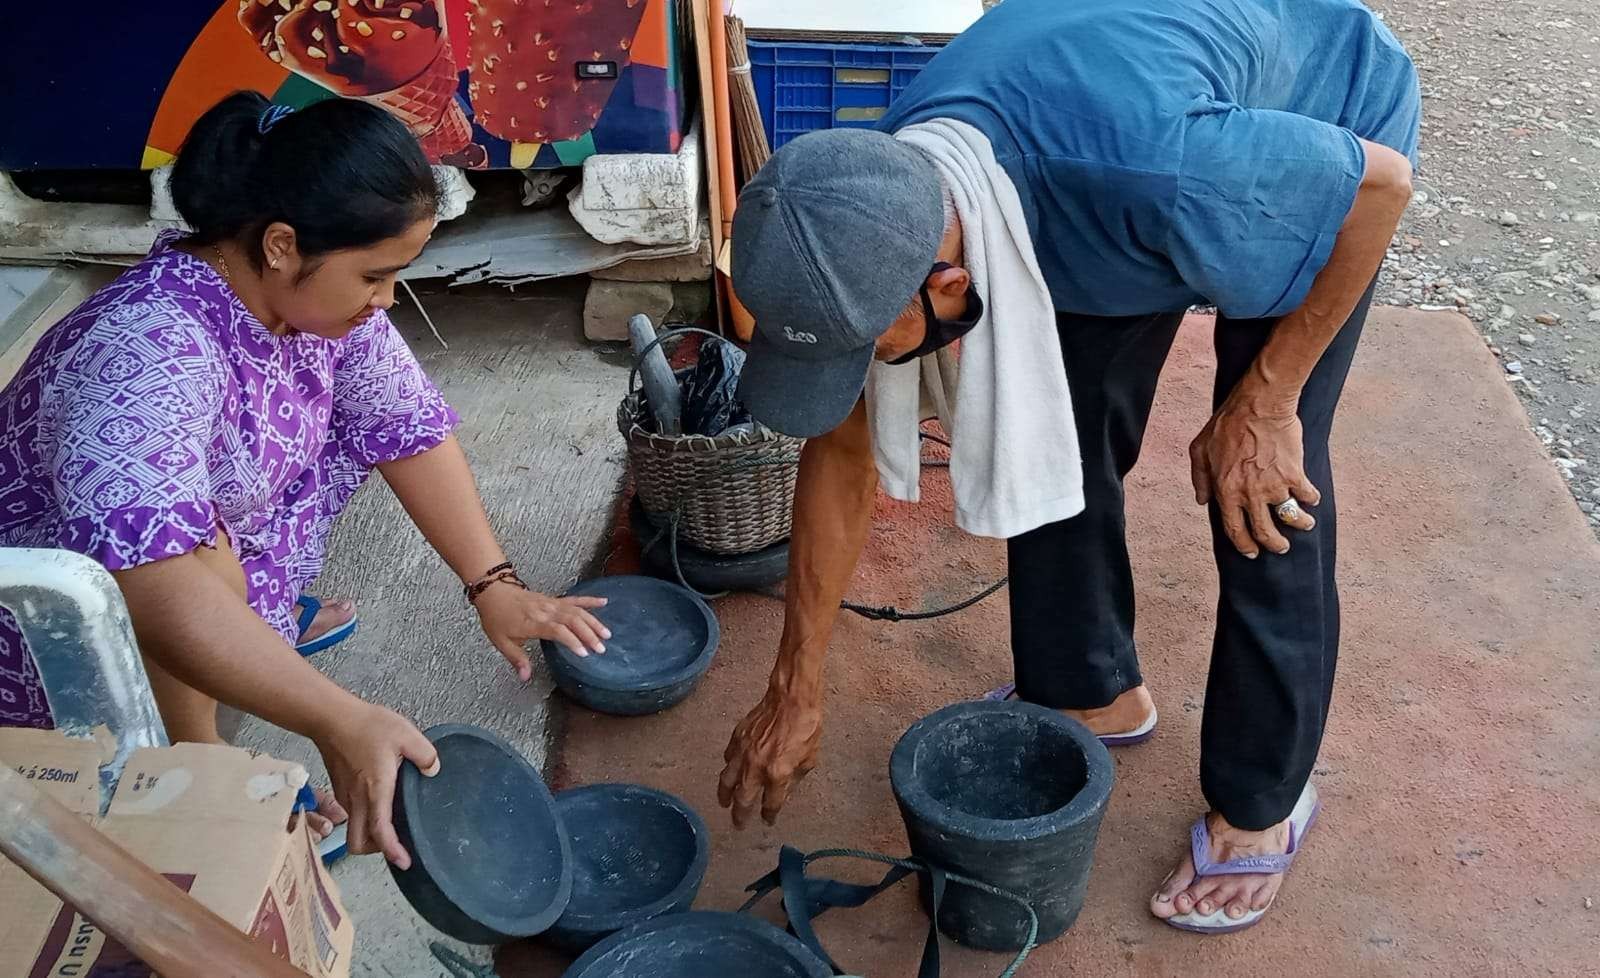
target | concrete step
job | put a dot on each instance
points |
(33, 298)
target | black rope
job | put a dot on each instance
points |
(891, 613)
(934, 463)
(888, 613)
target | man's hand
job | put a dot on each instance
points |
(512, 617)
(363, 749)
(776, 745)
(771, 750)
(1250, 460)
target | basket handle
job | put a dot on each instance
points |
(638, 358)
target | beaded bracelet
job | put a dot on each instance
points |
(501, 572)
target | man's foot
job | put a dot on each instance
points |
(333, 614)
(1129, 719)
(1242, 871)
(1128, 714)
(328, 814)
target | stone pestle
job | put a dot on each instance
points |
(661, 392)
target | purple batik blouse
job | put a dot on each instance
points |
(161, 408)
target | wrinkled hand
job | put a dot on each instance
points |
(512, 617)
(363, 749)
(771, 750)
(1251, 460)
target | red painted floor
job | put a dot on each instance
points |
(1461, 770)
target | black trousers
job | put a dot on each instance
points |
(1277, 632)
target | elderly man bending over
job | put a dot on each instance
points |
(1055, 190)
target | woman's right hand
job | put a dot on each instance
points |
(363, 748)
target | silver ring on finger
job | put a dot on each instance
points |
(1289, 511)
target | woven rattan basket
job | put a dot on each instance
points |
(728, 494)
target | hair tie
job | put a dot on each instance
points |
(271, 116)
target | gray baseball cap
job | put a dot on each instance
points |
(830, 241)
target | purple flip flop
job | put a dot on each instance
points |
(1301, 820)
(1137, 735)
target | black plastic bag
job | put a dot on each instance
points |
(711, 390)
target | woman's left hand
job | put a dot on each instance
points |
(512, 617)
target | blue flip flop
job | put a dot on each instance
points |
(309, 607)
(336, 846)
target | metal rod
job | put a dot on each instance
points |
(422, 309)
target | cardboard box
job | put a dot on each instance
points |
(215, 821)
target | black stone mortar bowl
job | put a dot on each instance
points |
(1010, 794)
(637, 854)
(490, 859)
(663, 638)
(700, 944)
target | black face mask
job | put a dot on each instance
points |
(942, 332)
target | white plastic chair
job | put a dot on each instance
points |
(75, 623)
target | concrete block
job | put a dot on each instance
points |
(609, 306)
(31, 305)
(455, 193)
(34, 231)
(48, 231)
(693, 267)
(17, 283)
(162, 207)
(644, 198)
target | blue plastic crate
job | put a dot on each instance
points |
(801, 87)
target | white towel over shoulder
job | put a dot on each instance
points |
(1014, 463)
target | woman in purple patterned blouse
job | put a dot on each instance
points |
(197, 425)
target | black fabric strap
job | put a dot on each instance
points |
(805, 898)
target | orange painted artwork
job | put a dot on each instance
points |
(481, 83)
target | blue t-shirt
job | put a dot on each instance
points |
(1176, 152)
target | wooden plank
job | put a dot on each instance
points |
(700, 15)
(727, 176)
(848, 37)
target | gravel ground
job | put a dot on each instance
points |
(1505, 225)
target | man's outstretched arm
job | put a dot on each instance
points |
(776, 744)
